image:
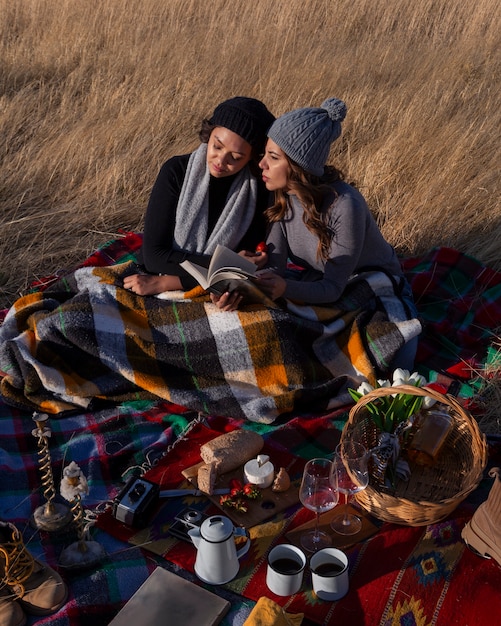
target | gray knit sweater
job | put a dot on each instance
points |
(357, 244)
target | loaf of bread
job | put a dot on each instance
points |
(231, 450)
(206, 477)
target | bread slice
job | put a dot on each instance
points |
(206, 478)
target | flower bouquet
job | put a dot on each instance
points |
(394, 416)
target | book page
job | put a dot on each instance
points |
(199, 273)
(228, 273)
(224, 274)
(225, 258)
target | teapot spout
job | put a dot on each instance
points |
(194, 534)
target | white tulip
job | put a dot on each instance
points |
(400, 376)
(404, 377)
(365, 388)
(428, 402)
(417, 380)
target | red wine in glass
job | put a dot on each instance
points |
(318, 493)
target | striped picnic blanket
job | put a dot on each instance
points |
(85, 340)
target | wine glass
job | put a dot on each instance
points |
(350, 465)
(318, 492)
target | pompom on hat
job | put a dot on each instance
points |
(306, 135)
(247, 117)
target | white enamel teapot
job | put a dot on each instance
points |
(217, 555)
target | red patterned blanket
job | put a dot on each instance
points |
(399, 577)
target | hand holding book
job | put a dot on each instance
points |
(272, 284)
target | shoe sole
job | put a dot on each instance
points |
(35, 610)
(478, 543)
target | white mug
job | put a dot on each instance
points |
(286, 564)
(329, 573)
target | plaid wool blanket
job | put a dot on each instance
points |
(85, 340)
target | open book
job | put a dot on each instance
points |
(228, 271)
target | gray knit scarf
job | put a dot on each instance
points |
(191, 228)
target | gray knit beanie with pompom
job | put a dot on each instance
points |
(306, 135)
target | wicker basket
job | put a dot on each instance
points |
(431, 492)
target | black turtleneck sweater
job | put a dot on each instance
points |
(157, 255)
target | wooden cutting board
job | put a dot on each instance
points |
(269, 504)
(338, 541)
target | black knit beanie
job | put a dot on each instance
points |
(246, 117)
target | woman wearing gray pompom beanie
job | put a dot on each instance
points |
(323, 225)
(306, 135)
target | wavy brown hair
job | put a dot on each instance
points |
(312, 191)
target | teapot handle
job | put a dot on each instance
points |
(242, 532)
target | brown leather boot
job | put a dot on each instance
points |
(39, 589)
(11, 614)
(483, 532)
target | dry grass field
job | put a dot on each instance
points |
(95, 95)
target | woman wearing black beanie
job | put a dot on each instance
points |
(211, 196)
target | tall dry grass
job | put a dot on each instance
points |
(96, 95)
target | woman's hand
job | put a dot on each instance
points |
(271, 284)
(229, 301)
(260, 259)
(151, 284)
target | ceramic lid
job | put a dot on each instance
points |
(216, 529)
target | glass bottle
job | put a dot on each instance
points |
(432, 431)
